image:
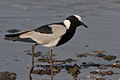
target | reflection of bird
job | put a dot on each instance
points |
(51, 35)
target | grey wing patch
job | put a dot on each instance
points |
(44, 29)
(58, 29)
(45, 38)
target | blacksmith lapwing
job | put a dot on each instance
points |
(50, 35)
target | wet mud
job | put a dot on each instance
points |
(75, 69)
(98, 54)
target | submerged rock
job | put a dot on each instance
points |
(13, 30)
(47, 70)
(110, 57)
(7, 76)
(102, 73)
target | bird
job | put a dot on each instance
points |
(49, 35)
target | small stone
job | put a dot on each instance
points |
(99, 52)
(81, 55)
(110, 57)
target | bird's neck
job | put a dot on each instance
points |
(67, 36)
(72, 29)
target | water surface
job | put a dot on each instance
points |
(101, 16)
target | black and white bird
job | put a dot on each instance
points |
(50, 35)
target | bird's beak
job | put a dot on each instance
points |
(84, 25)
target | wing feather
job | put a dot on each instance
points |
(45, 38)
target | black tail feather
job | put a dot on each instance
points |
(12, 35)
(15, 37)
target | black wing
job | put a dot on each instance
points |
(46, 29)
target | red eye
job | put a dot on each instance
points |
(76, 19)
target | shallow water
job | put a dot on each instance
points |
(101, 16)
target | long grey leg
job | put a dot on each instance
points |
(32, 67)
(51, 62)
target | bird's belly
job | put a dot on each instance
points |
(52, 43)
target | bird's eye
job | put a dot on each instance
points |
(76, 19)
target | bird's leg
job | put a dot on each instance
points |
(51, 62)
(32, 67)
(33, 47)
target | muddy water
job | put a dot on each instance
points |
(101, 16)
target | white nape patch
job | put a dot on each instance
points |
(67, 23)
(79, 18)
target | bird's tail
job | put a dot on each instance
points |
(12, 37)
(16, 37)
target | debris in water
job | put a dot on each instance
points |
(81, 55)
(98, 51)
(7, 76)
(37, 54)
(114, 65)
(102, 73)
(110, 57)
(48, 60)
(85, 65)
(47, 70)
(74, 71)
(13, 30)
(92, 77)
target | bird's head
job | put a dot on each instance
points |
(74, 21)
